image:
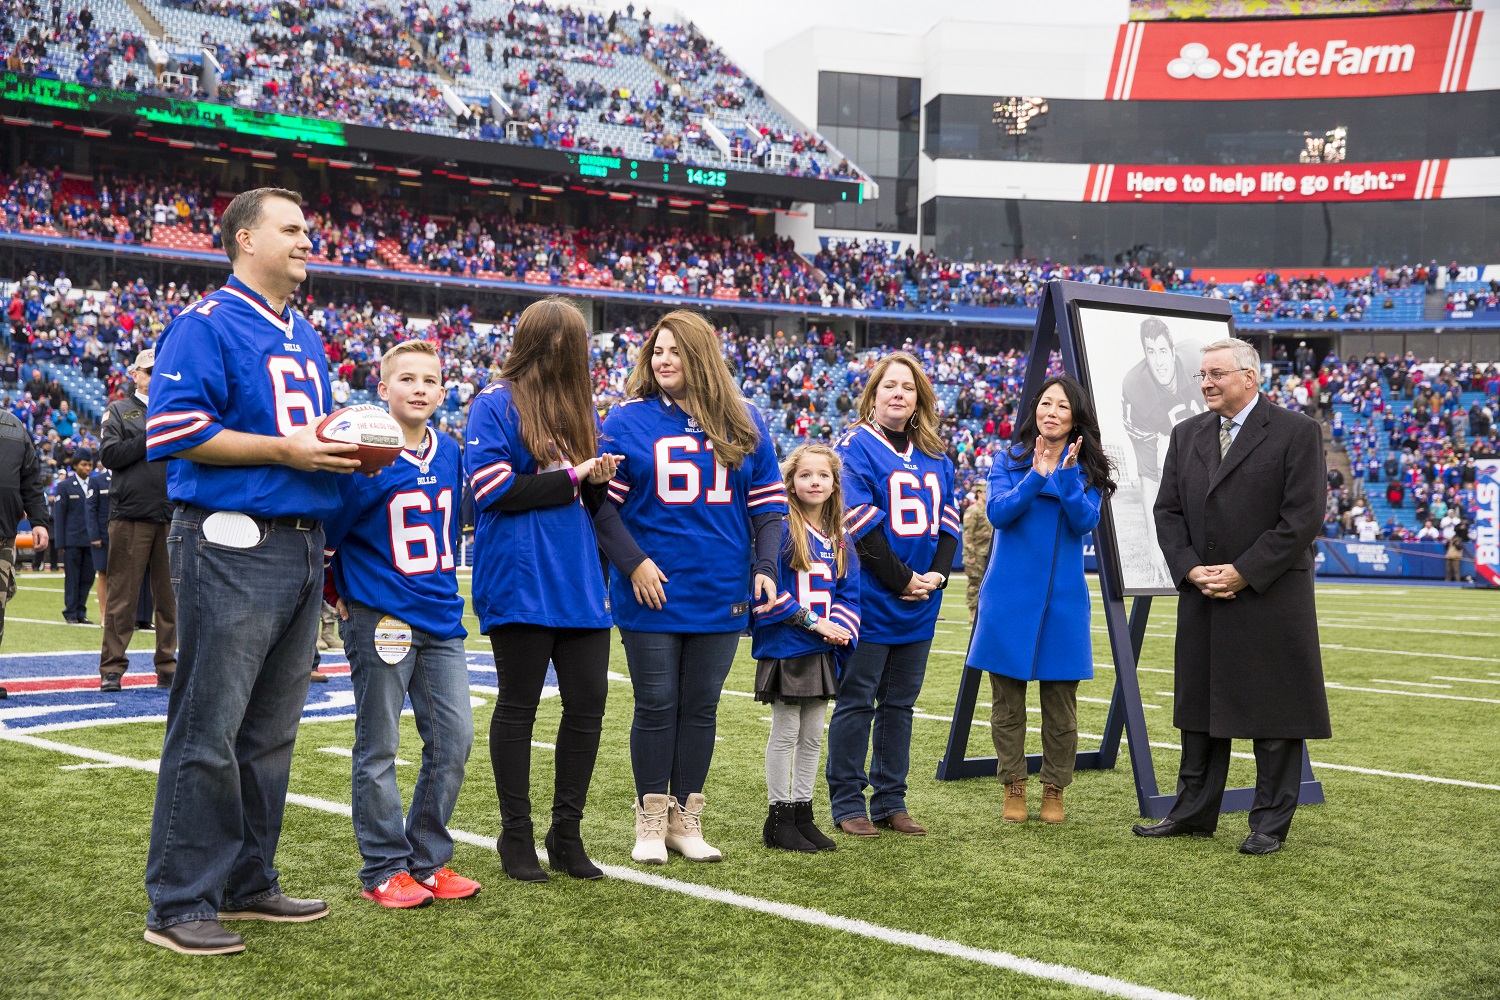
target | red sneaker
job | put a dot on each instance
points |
(399, 892)
(445, 883)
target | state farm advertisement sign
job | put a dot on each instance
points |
(1298, 57)
(1394, 181)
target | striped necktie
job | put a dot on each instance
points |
(1225, 440)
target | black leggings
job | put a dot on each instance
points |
(522, 653)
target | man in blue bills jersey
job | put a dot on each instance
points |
(239, 386)
(392, 548)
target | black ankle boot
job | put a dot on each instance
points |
(802, 816)
(518, 854)
(565, 852)
(768, 830)
(784, 831)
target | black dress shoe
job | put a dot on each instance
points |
(110, 682)
(164, 681)
(197, 937)
(1260, 843)
(1167, 828)
(281, 909)
(145, 627)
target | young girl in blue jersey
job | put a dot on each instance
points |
(391, 547)
(539, 499)
(814, 617)
(903, 519)
(699, 489)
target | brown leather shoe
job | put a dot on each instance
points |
(903, 823)
(1052, 804)
(859, 826)
(1015, 802)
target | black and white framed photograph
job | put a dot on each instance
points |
(1140, 363)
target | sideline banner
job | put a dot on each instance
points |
(1487, 522)
(1400, 180)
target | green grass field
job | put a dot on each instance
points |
(1391, 889)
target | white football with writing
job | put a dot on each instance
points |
(370, 427)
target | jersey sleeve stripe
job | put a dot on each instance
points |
(490, 469)
(177, 417)
(620, 485)
(769, 487)
(768, 499)
(856, 518)
(483, 491)
(951, 522)
(167, 437)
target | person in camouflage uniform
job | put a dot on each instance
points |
(977, 535)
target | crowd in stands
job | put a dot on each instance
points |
(382, 65)
(386, 232)
(1409, 439)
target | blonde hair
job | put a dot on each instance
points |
(389, 358)
(922, 429)
(831, 520)
(712, 396)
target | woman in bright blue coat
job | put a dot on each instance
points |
(1033, 621)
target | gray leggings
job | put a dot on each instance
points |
(793, 750)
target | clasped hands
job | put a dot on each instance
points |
(1222, 581)
(921, 586)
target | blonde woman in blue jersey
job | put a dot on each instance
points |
(699, 488)
(903, 519)
(813, 620)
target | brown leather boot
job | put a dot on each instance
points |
(1052, 804)
(1015, 802)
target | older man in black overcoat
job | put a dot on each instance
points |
(1241, 502)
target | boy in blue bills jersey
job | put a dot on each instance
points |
(902, 519)
(799, 635)
(391, 547)
(239, 384)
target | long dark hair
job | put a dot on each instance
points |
(548, 372)
(1091, 457)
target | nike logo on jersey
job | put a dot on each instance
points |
(175, 378)
(475, 441)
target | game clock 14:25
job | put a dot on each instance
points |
(708, 178)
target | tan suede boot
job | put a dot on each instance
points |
(1052, 804)
(1015, 802)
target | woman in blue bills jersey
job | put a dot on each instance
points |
(901, 515)
(700, 491)
(538, 486)
(1033, 621)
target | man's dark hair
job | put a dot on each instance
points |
(1151, 327)
(245, 212)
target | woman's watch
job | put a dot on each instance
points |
(806, 618)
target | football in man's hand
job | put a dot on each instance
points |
(373, 429)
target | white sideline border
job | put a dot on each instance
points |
(787, 911)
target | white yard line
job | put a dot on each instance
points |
(1409, 694)
(1408, 652)
(1466, 680)
(347, 752)
(1049, 971)
(1417, 684)
(1361, 627)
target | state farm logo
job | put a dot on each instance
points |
(1337, 57)
(1194, 60)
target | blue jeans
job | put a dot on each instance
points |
(436, 675)
(247, 623)
(677, 679)
(879, 685)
